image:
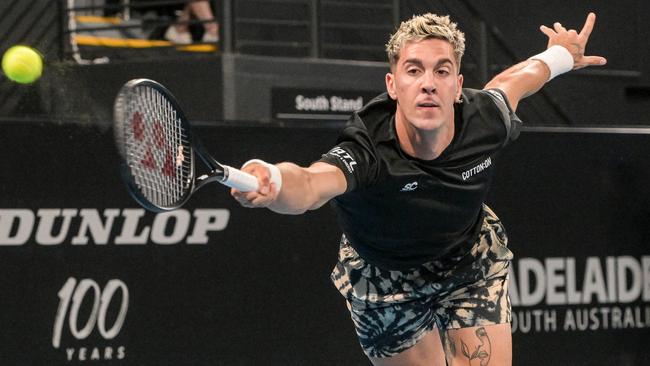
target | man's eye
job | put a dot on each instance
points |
(412, 71)
(443, 72)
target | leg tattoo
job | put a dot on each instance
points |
(482, 352)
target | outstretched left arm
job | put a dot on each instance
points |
(527, 77)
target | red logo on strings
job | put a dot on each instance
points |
(158, 135)
(138, 126)
(159, 144)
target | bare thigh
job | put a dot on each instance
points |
(427, 352)
(479, 346)
(475, 346)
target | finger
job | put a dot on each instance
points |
(558, 27)
(548, 31)
(258, 171)
(249, 196)
(264, 187)
(250, 168)
(589, 25)
(273, 190)
(573, 33)
(263, 177)
(237, 195)
(260, 201)
(245, 204)
(264, 200)
(242, 201)
(594, 60)
(248, 200)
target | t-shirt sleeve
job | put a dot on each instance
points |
(510, 119)
(355, 155)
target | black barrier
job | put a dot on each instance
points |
(89, 278)
(257, 292)
(577, 210)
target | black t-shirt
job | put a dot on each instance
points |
(399, 211)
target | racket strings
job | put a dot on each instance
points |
(157, 147)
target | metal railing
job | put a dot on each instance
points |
(342, 29)
(128, 20)
(354, 29)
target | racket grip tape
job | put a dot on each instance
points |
(276, 175)
(239, 180)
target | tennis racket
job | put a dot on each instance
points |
(158, 149)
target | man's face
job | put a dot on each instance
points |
(426, 83)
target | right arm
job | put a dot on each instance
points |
(302, 188)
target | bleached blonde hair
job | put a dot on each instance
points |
(422, 27)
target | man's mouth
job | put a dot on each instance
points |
(427, 105)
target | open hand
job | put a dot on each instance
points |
(574, 42)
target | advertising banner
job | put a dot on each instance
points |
(291, 104)
(577, 210)
(89, 277)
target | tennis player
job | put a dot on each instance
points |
(423, 262)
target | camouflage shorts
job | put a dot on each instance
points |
(392, 310)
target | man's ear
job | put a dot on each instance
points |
(460, 87)
(390, 86)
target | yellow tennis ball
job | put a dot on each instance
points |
(22, 64)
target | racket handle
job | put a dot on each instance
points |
(239, 180)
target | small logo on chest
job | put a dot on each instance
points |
(409, 187)
(477, 169)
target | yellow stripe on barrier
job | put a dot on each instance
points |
(84, 40)
(201, 47)
(97, 19)
(119, 42)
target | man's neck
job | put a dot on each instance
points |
(425, 145)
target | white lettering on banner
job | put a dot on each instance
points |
(623, 282)
(345, 105)
(580, 319)
(71, 296)
(52, 226)
(534, 320)
(611, 279)
(319, 103)
(91, 224)
(25, 219)
(182, 219)
(626, 279)
(131, 221)
(523, 294)
(629, 265)
(110, 353)
(47, 218)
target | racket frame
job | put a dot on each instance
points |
(217, 173)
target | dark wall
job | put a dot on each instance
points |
(249, 81)
(68, 92)
(255, 290)
(616, 94)
(619, 32)
(35, 23)
(240, 87)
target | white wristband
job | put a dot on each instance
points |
(557, 58)
(276, 175)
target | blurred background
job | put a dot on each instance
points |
(89, 277)
(266, 47)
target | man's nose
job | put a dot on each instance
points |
(428, 83)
